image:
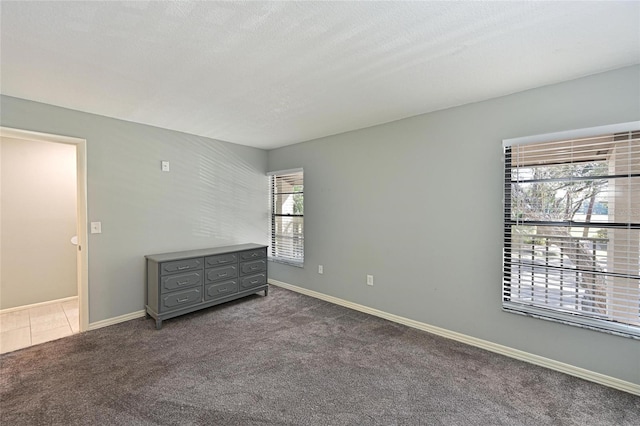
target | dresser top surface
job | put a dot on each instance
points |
(178, 255)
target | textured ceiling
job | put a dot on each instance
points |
(269, 74)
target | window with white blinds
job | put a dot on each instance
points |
(572, 228)
(287, 217)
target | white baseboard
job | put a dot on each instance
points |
(37, 305)
(473, 341)
(116, 320)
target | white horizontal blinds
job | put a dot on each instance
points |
(572, 230)
(287, 216)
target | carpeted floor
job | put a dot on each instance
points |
(288, 359)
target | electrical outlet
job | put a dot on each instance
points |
(320, 269)
(164, 166)
(369, 279)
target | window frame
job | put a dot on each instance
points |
(273, 237)
(549, 312)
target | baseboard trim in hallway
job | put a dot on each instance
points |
(572, 370)
(38, 305)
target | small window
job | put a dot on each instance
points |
(287, 217)
(572, 228)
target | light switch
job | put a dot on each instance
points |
(165, 166)
(96, 227)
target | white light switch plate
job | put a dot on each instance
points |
(165, 166)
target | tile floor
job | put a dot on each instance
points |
(27, 327)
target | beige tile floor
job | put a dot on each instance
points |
(27, 327)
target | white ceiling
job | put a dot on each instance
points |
(269, 74)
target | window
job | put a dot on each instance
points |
(572, 228)
(287, 217)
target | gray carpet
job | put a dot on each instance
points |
(288, 359)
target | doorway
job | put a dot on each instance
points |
(69, 156)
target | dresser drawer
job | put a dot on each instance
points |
(222, 273)
(180, 299)
(179, 281)
(216, 291)
(253, 267)
(223, 259)
(253, 254)
(252, 281)
(180, 266)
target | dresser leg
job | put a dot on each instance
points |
(266, 292)
(158, 324)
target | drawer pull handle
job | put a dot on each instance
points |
(254, 281)
(182, 300)
(223, 290)
(182, 268)
(254, 254)
(224, 274)
(182, 282)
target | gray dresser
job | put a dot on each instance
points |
(186, 281)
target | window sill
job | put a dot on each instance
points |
(618, 329)
(287, 262)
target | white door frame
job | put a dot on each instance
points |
(81, 176)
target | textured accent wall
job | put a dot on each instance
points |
(215, 194)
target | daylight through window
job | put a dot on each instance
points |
(572, 229)
(287, 217)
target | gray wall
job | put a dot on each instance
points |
(418, 204)
(38, 219)
(215, 194)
